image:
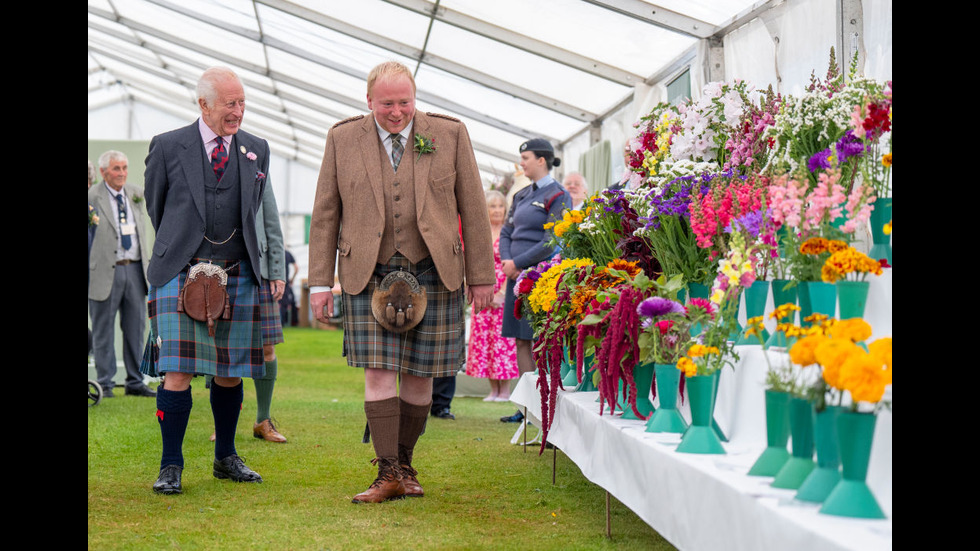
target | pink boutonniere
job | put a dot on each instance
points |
(250, 155)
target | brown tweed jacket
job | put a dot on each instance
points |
(349, 210)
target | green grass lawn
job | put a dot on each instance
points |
(481, 492)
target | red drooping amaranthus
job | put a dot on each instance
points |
(619, 351)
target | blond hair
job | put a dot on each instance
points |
(388, 71)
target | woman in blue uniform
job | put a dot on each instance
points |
(523, 240)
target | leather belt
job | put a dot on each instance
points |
(125, 261)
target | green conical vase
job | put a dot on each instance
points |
(852, 296)
(782, 294)
(800, 463)
(700, 437)
(852, 497)
(714, 400)
(667, 418)
(698, 290)
(643, 376)
(755, 305)
(881, 242)
(817, 297)
(821, 480)
(569, 377)
(776, 453)
(587, 384)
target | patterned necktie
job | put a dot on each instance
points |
(219, 158)
(396, 150)
(127, 241)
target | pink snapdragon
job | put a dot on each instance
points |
(859, 205)
(824, 203)
(786, 201)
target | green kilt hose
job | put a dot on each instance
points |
(435, 347)
(184, 345)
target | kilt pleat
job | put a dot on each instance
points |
(178, 343)
(434, 348)
(271, 320)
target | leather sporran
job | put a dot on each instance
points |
(204, 296)
(398, 302)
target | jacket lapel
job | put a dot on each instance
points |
(246, 171)
(422, 162)
(192, 163)
(369, 146)
(106, 207)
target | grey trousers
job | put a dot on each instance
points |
(128, 299)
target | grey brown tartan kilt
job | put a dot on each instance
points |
(435, 347)
(184, 345)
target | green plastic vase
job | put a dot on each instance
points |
(643, 377)
(569, 377)
(852, 296)
(667, 418)
(782, 293)
(821, 480)
(700, 436)
(755, 305)
(714, 400)
(697, 290)
(852, 497)
(881, 242)
(587, 384)
(817, 297)
(776, 453)
(800, 462)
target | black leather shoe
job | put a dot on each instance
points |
(141, 391)
(516, 418)
(169, 480)
(444, 413)
(233, 467)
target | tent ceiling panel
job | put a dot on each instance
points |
(510, 69)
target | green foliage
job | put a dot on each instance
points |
(481, 491)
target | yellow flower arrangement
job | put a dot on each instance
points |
(848, 261)
(854, 330)
(568, 219)
(544, 294)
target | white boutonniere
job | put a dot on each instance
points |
(250, 155)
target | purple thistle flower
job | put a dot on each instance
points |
(659, 306)
(819, 160)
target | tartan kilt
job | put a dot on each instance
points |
(271, 320)
(184, 345)
(435, 347)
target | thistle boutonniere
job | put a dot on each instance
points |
(137, 199)
(93, 218)
(424, 144)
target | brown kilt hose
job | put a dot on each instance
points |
(271, 320)
(434, 348)
(184, 345)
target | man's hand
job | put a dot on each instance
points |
(322, 305)
(277, 287)
(479, 296)
(510, 269)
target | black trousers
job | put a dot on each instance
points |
(443, 390)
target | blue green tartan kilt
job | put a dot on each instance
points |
(271, 320)
(178, 343)
(435, 347)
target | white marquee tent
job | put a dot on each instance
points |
(577, 72)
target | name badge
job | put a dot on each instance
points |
(129, 228)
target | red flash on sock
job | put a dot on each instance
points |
(160, 414)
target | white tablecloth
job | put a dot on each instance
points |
(708, 502)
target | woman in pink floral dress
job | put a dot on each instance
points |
(491, 355)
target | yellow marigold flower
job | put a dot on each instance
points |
(754, 326)
(816, 317)
(836, 246)
(887, 228)
(862, 375)
(814, 245)
(688, 366)
(832, 352)
(886, 159)
(801, 353)
(881, 349)
(549, 225)
(789, 329)
(784, 311)
(697, 350)
(854, 329)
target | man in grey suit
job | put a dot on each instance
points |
(204, 184)
(118, 259)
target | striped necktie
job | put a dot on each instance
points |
(127, 241)
(396, 150)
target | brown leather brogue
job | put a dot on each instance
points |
(412, 486)
(388, 484)
(267, 431)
